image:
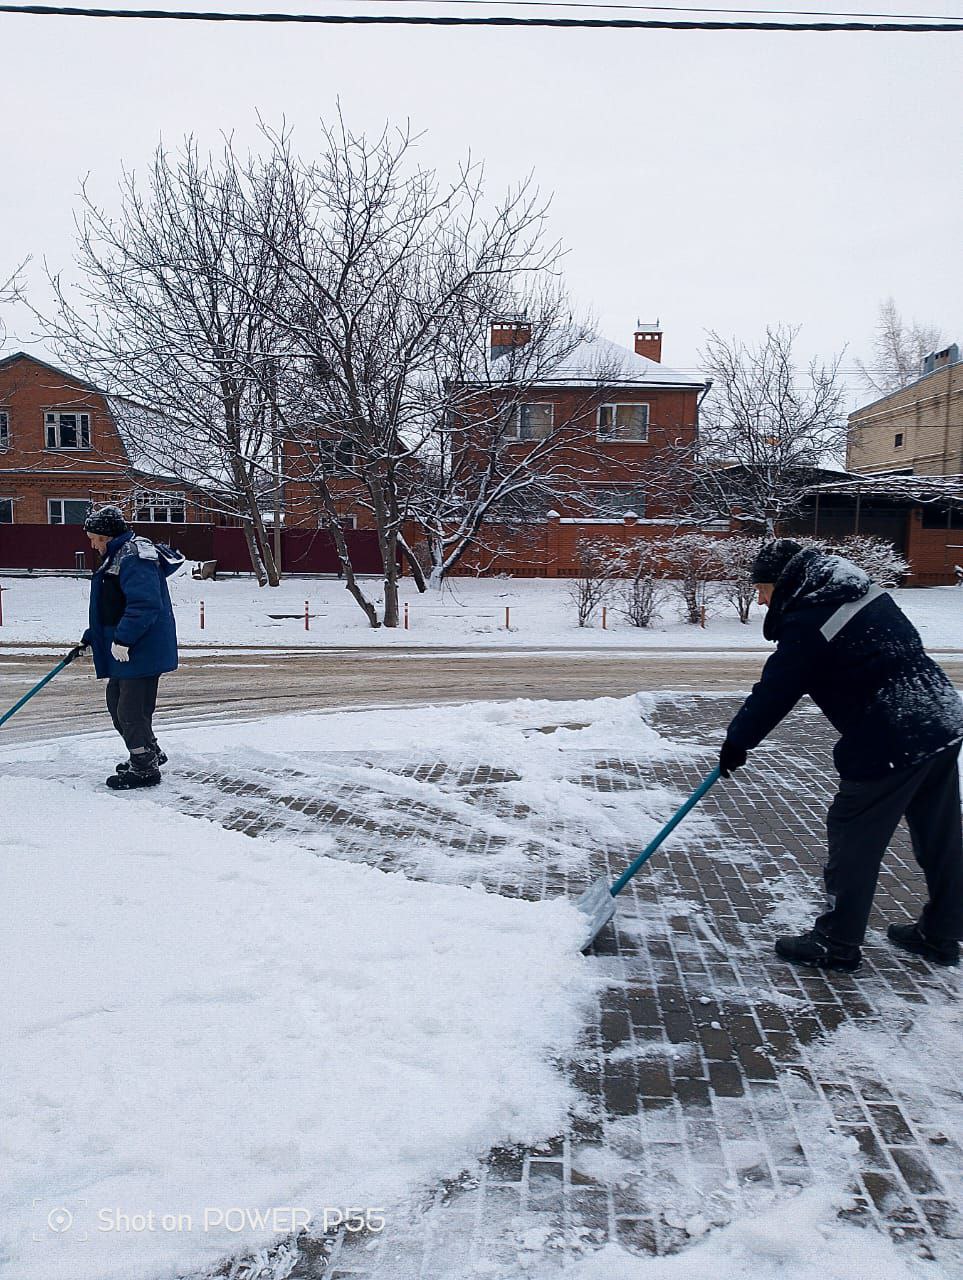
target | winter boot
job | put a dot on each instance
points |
(158, 756)
(912, 938)
(815, 949)
(142, 771)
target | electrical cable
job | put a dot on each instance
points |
(452, 20)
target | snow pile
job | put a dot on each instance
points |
(198, 1022)
(801, 1238)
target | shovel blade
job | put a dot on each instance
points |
(598, 907)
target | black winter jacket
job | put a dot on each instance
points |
(846, 643)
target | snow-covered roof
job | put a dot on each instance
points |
(911, 488)
(599, 360)
(590, 362)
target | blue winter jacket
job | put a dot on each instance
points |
(130, 605)
(845, 642)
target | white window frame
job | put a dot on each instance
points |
(613, 434)
(52, 420)
(12, 506)
(50, 503)
(158, 500)
(513, 429)
(899, 439)
(4, 428)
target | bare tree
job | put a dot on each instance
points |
(898, 350)
(11, 291)
(766, 427)
(393, 277)
(173, 315)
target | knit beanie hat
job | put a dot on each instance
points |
(772, 558)
(109, 522)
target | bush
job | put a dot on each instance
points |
(598, 564)
(693, 560)
(876, 557)
(644, 589)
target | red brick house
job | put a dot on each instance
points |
(62, 449)
(613, 411)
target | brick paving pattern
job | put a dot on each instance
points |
(713, 1076)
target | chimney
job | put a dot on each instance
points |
(509, 333)
(648, 340)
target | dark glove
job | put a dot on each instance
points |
(731, 758)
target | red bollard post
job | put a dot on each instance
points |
(406, 615)
(507, 624)
(604, 616)
(202, 615)
(307, 619)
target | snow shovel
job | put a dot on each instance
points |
(597, 903)
(75, 652)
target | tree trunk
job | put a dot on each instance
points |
(417, 573)
(254, 551)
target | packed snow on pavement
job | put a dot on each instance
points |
(468, 612)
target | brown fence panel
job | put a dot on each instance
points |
(313, 551)
(44, 546)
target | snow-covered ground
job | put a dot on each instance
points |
(211, 1027)
(200, 1027)
(469, 612)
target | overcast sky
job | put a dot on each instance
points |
(713, 180)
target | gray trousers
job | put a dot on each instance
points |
(860, 825)
(131, 705)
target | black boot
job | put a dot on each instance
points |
(142, 771)
(156, 755)
(815, 949)
(912, 938)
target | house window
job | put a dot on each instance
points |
(6, 510)
(4, 428)
(67, 510)
(898, 440)
(624, 422)
(336, 456)
(531, 422)
(67, 430)
(160, 508)
(612, 503)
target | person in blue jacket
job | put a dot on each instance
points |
(132, 637)
(843, 640)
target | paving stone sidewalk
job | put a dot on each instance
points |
(712, 1077)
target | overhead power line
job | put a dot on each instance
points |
(455, 20)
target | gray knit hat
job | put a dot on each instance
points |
(109, 522)
(772, 558)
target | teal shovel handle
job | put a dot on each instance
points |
(667, 830)
(75, 652)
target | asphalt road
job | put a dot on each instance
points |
(257, 683)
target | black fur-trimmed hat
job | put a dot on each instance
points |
(109, 522)
(772, 558)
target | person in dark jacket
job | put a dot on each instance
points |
(843, 640)
(132, 638)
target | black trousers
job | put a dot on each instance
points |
(860, 824)
(131, 705)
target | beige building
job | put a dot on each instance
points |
(917, 430)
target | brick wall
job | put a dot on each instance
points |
(31, 474)
(927, 417)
